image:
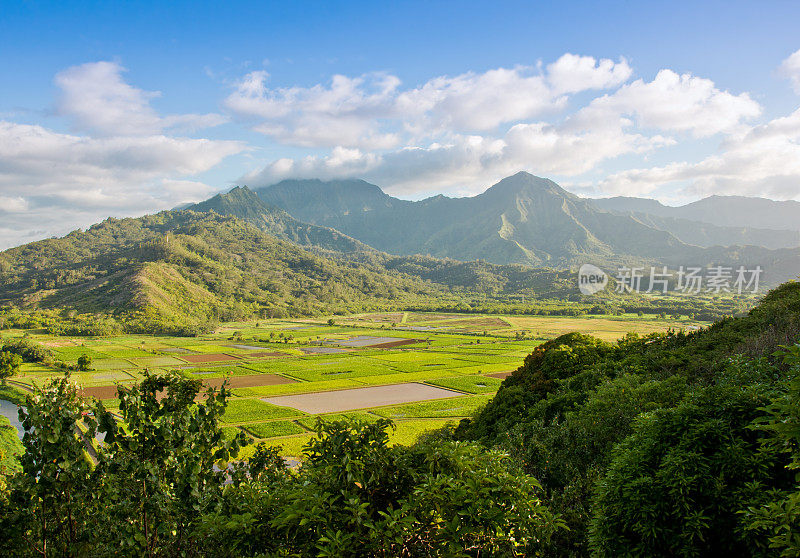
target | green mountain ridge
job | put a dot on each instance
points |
(523, 219)
(243, 203)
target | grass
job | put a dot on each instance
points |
(310, 422)
(10, 448)
(455, 407)
(13, 394)
(273, 429)
(247, 410)
(408, 431)
(469, 384)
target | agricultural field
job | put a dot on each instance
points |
(420, 370)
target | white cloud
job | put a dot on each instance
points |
(54, 182)
(344, 113)
(469, 163)
(373, 112)
(790, 69)
(572, 73)
(764, 161)
(96, 98)
(671, 102)
(477, 102)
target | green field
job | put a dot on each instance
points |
(452, 351)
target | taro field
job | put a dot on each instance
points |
(420, 370)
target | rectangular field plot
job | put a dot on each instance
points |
(440, 408)
(210, 357)
(156, 361)
(346, 400)
(470, 384)
(273, 429)
(363, 416)
(248, 410)
(110, 364)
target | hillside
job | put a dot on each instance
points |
(188, 267)
(523, 219)
(243, 203)
(670, 421)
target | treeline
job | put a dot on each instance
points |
(683, 444)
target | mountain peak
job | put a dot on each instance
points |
(527, 182)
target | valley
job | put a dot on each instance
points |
(422, 370)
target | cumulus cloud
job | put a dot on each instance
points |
(462, 132)
(124, 163)
(763, 161)
(97, 99)
(373, 112)
(470, 162)
(790, 69)
(572, 73)
(671, 102)
(344, 113)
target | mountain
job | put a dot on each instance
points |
(723, 211)
(704, 234)
(183, 269)
(522, 219)
(243, 203)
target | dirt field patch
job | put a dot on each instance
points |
(211, 357)
(359, 398)
(501, 375)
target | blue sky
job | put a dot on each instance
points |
(128, 108)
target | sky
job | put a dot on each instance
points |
(127, 108)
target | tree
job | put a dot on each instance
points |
(158, 473)
(681, 483)
(9, 365)
(52, 497)
(331, 322)
(84, 362)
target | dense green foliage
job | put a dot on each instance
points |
(152, 488)
(664, 445)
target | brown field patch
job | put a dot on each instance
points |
(56, 344)
(430, 317)
(212, 357)
(501, 375)
(99, 392)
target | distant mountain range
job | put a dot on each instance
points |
(306, 246)
(530, 220)
(723, 211)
